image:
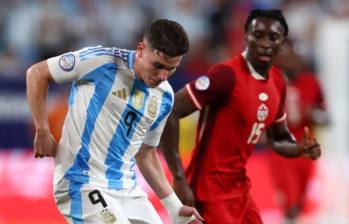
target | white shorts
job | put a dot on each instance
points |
(85, 204)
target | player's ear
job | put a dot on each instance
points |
(140, 48)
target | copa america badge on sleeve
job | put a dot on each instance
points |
(202, 83)
(67, 62)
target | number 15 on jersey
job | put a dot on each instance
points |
(256, 133)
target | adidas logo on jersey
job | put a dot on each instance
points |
(121, 93)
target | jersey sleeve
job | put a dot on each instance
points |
(64, 68)
(213, 87)
(281, 114)
(73, 65)
(153, 136)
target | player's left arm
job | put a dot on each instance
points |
(282, 141)
(149, 164)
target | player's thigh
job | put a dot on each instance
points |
(82, 204)
(252, 213)
(233, 211)
(103, 206)
(222, 212)
(139, 209)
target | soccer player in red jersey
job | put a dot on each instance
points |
(238, 100)
(304, 106)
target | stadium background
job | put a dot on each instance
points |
(32, 30)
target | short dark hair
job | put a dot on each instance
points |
(267, 13)
(167, 36)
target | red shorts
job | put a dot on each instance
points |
(240, 210)
(291, 177)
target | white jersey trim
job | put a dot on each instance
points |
(282, 118)
(252, 71)
(192, 96)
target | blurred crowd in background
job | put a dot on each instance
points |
(33, 30)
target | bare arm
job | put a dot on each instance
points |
(169, 145)
(38, 78)
(282, 142)
(150, 166)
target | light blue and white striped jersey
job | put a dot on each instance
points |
(111, 114)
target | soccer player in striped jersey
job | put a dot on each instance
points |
(118, 106)
(238, 100)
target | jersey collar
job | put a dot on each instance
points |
(131, 59)
(252, 71)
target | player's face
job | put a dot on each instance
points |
(264, 39)
(289, 60)
(154, 66)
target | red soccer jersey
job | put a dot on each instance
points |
(292, 176)
(237, 106)
(303, 94)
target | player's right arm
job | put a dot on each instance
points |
(210, 89)
(59, 69)
(169, 144)
(38, 78)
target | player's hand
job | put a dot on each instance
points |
(309, 146)
(44, 144)
(192, 213)
(183, 191)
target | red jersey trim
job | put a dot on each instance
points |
(192, 97)
(281, 118)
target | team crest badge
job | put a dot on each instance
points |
(138, 99)
(263, 97)
(67, 62)
(262, 112)
(202, 83)
(109, 218)
(153, 106)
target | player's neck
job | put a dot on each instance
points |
(136, 68)
(256, 69)
(263, 70)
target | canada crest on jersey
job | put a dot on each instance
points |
(153, 106)
(262, 112)
(138, 99)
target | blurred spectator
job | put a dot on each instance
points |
(303, 16)
(184, 12)
(52, 34)
(10, 68)
(33, 29)
(235, 29)
(305, 107)
(332, 55)
(218, 18)
(124, 20)
(21, 28)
